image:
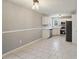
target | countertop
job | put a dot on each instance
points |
(48, 28)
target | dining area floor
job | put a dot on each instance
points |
(52, 48)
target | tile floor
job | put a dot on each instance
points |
(53, 48)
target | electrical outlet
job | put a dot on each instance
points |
(20, 41)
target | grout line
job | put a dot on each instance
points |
(21, 47)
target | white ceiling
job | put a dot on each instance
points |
(50, 7)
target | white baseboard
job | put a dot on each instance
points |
(21, 47)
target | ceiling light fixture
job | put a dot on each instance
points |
(35, 4)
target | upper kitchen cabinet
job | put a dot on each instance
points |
(46, 21)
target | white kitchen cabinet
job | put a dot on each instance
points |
(46, 25)
(45, 33)
(56, 31)
(45, 20)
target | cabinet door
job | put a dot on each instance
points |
(45, 20)
(56, 31)
(45, 33)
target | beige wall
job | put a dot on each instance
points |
(18, 18)
(74, 29)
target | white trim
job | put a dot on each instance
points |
(20, 30)
(21, 47)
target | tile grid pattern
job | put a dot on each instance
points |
(53, 48)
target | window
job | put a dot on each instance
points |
(56, 22)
